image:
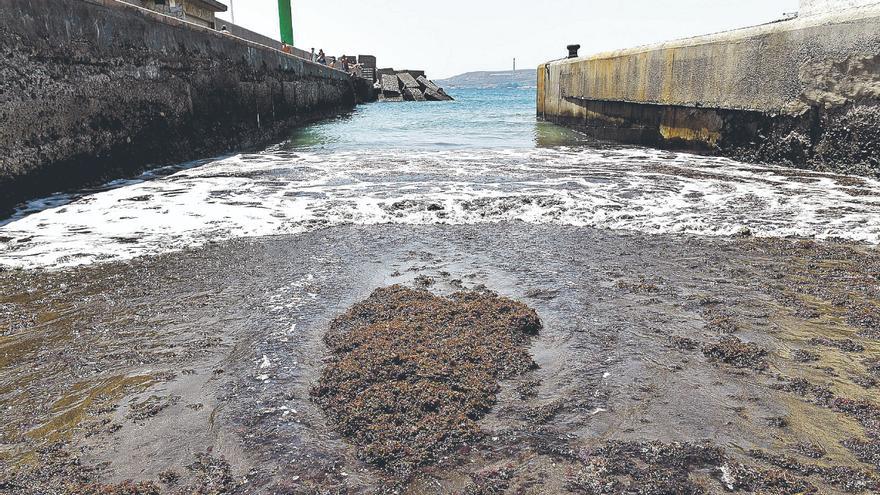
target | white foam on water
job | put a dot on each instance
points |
(284, 192)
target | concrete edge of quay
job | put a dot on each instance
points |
(803, 92)
(92, 90)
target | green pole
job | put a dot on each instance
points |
(286, 19)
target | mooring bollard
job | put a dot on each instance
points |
(573, 51)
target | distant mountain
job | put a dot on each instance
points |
(525, 78)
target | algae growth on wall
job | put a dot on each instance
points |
(804, 92)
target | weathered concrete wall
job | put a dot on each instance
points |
(813, 7)
(805, 92)
(260, 39)
(249, 35)
(95, 89)
(201, 12)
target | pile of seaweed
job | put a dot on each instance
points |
(56, 469)
(412, 372)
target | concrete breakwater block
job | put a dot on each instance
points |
(425, 83)
(407, 80)
(413, 94)
(436, 95)
(409, 86)
(390, 86)
(432, 91)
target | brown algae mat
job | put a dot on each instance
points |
(412, 372)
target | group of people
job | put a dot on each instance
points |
(319, 57)
(341, 63)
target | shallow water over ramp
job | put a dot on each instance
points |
(481, 159)
(281, 191)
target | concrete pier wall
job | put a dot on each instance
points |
(97, 89)
(804, 92)
(813, 7)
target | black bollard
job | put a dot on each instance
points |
(573, 51)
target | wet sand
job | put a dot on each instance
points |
(667, 364)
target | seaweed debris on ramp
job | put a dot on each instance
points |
(412, 372)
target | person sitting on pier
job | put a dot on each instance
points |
(322, 58)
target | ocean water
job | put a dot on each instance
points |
(482, 158)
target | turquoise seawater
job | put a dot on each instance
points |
(478, 118)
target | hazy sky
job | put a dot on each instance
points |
(448, 37)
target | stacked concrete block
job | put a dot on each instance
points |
(407, 81)
(432, 91)
(409, 86)
(390, 90)
(413, 94)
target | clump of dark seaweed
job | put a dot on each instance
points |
(212, 475)
(720, 323)
(644, 467)
(847, 478)
(844, 276)
(873, 366)
(150, 407)
(811, 450)
(545, 413)
(412, 373)
(743, 477)
(845, 345)
(804, 356)
(802, 387)
(57, 470)
(124, 488)
(490, 481)
(734, 352)
(865, 451)
(866, 382)
(862, 410)
(866, 316)
(683, 343)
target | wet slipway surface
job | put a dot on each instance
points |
(708, 325)
(192, 370)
